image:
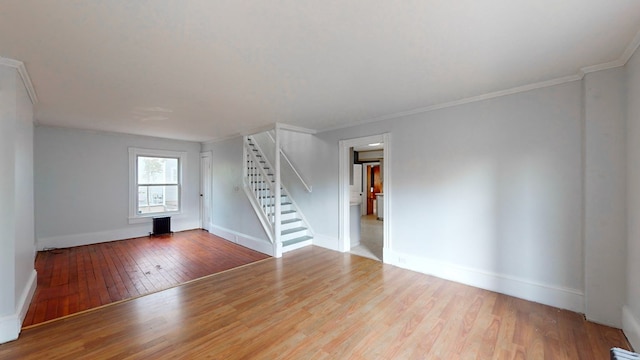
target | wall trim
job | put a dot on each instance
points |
(553, 295)
(24, 75)
(11, 325)
(631, 327)
(9, 328)
(621, 61)
(245, 240)
(134, 231)
(27, 295)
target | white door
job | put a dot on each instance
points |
(205, 190)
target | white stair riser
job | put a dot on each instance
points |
(294, 235)
(292, 225)
(293, 215)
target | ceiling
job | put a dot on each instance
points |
(202, 70)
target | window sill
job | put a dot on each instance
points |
(148, 218)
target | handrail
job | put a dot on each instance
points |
(265, 175)
(295, 171)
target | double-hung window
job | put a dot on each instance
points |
(155, 178)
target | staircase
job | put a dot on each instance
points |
(287, 230)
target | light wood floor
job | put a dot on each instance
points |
(319, 304)
(83, 277)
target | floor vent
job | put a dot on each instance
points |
(161, 225)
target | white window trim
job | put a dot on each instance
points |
(133, 191)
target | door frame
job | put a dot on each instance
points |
(345, 163)
(206, 183)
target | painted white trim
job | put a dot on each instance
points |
(204, 190)
(133, 231)
(344, 196)
(621, 61)
(599, 67)
(248, 241)
(631, 49)
(557, 296)
(27, 295)
(487, 96)
(296, 246)
(327, 242)
(24, 75)
(631, 327)
(9, 328)
(11, 325)
(294, 128)
(134, 152)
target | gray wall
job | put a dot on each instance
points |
(632, 308)
(17, 275)
(494, 186)
(82, 186)
(605, 196)
(231, 210)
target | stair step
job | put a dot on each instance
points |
(287, 212)
(283, 204)
(271, 196)
(290, 221)
(291, 231)
(296, 240)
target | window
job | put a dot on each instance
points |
(155, 182)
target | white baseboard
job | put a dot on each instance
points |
(557, 296)
(631, 327)
(132, 231)
(11, 325)
(251, 242)
(9, 328)
(327, 242)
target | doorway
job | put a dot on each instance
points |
(375, 201)
(205, 190)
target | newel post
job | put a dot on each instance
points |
(277, 198)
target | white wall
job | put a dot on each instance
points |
(631, 315)
(487, 193)
(82, 190)
(605, 196)
(17, 275)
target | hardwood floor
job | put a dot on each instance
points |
(76, 279)
(319, 304)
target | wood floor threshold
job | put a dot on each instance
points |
(143, 295)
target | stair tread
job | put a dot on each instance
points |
(296, 240)
(288, 212)
(284, 203)
(291, 221)
(294, 230)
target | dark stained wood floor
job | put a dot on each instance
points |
(319, 304)
(75, 279)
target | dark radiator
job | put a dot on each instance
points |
(621, 354)
(161, 225)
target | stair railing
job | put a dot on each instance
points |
(286, 158)
(256, 182)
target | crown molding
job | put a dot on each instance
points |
(294, 128)
(631, 49)
(24, 75)
(621, 61)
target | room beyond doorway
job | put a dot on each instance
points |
(371, 238)
(352, 202)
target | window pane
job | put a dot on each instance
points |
(157, 199)
(154, 170)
